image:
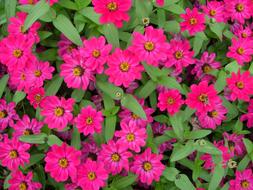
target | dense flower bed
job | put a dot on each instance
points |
(126, 94)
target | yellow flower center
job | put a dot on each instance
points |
(30, 2)
(245, 184)
(71, 47)
(112, 6)
(63, 163)
(239, 7)
(149, 46)
(134, 116)
(206, 68)
(240, 51)
(130, 137)
(231, 146)
(37, 98)
(193, 21)
(178, 55)
(27, 132)
(89, 120)
(171, 101)
(124, 66)
(203, 98)
(213, 114)
(147, 166)
(78, 71)
(23, 76)
(240, 85)
(3, 114)
(17, 53)
(115, 157)
(59, 111)
(91, 176)
(23, 186)
(244, 35)
(13, 154)
(212, 12)
(37, 73)
(96, 53)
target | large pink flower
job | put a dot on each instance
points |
(62, 162)
(148, 167)
(215, 9)
(123, 68)
(243, 180)
(57, 112)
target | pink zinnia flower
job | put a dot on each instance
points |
(51, 2)
(126, 116)
(18, 79)
(240, 86)
(65, 46)
(7, 114)
(123, 68)
(72, 186)
(193, 21)
(35, 96)
(215, 9)
(249, 115)
(235, 143)
(179, 55)
(89, 150)
(242, 32)
(131, 136)
(151, 46)
(15, 51)
(75, 72)
(62, 162)
(170, 100)
(148, 166)
(13, 153)
(37, 72)
(243, 180)
(57, 112)
(16, 27)
(92, 175)
(20, 181)
(27, 126)
(96, 53)
(89, 121)
(238, 10)
(29, 2)
(241, 50)
(212, 118)
(202, 97)
(115, 157)
(160, 2)
(112, 11)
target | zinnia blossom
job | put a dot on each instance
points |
(249, 115)
(243, 180)
(65, 46)
(215, 9)
(235, 143)
(35, 96)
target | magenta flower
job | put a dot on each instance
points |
(193, 21)
(89, 121)
(170, 100)
(151, 46)
(147, 166)
(18, 79)
(235, 143)
(57, 112)
(131, 136)
(112, 11)
(35, 96)
(27, 126)
(115, 157)
(62, 162)
(28, 2)
(215, 9)
(243, 180)
(65, 46)
(20, 181)
(241, 50)
(89, 150)
(91, 175)
(203, 97)
(242, 32)
(249, 115)
(160, 2)
(123, 68)
(240, 86)
(13, 153)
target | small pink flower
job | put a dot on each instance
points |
(235, 143)
(242, 32)
(243, 180)
(249, 115)
(72, 186)
(131, 136)
(65, 46)
(160, 2)
(241, 50)
(150, 47)
(13, 153)
(35, 96)
(115, 157)
(112, 11)
(57, 112)
(28, 2)
(215, 9)
(89, 150)
(148, 167)
(92, 175)
(75, 72)
(27, 126)
(170, 100)
(202, 97)
(20, 181)
(193, 21)
(62, 162)
(89, 121)
(18, 79)
(123, 68)
(96, 53)
(240, 86)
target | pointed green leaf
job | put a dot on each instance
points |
(3, 83)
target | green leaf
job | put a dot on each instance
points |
(3, 83)
(89, 13)
(129, 102)
(177, 125)
(63, 24)
(197, 134)
(76, 139)
(18, 96)
(243, 163)
(183, 182)
(54, 85)
(232, 109)
(170, 82)
(41, 8)
(52, 140)
(112, 34)
(123, 182)
(35, 158)
(216, 177)
(174, 8)
(110, 126)
(217, 28)
(182, 151)
(78, 94)
(207, 148)
(34, 139)
(172, 26)
(147, 89)
(232, 67)
(6, 183)
(10, 8)
(221, 81)
(170, 173)
(109, 89)
(248, 144)
(197, 44)
(82, 3)
(68, 4)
